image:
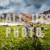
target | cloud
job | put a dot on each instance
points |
(30, 9)
(44, 7)
(4, 2)
(24, 6)
(37, 1)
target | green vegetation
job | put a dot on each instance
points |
(12, 43)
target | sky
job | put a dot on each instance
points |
(24, 6)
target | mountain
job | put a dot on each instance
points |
(46, 12)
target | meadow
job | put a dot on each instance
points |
(27, 43)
